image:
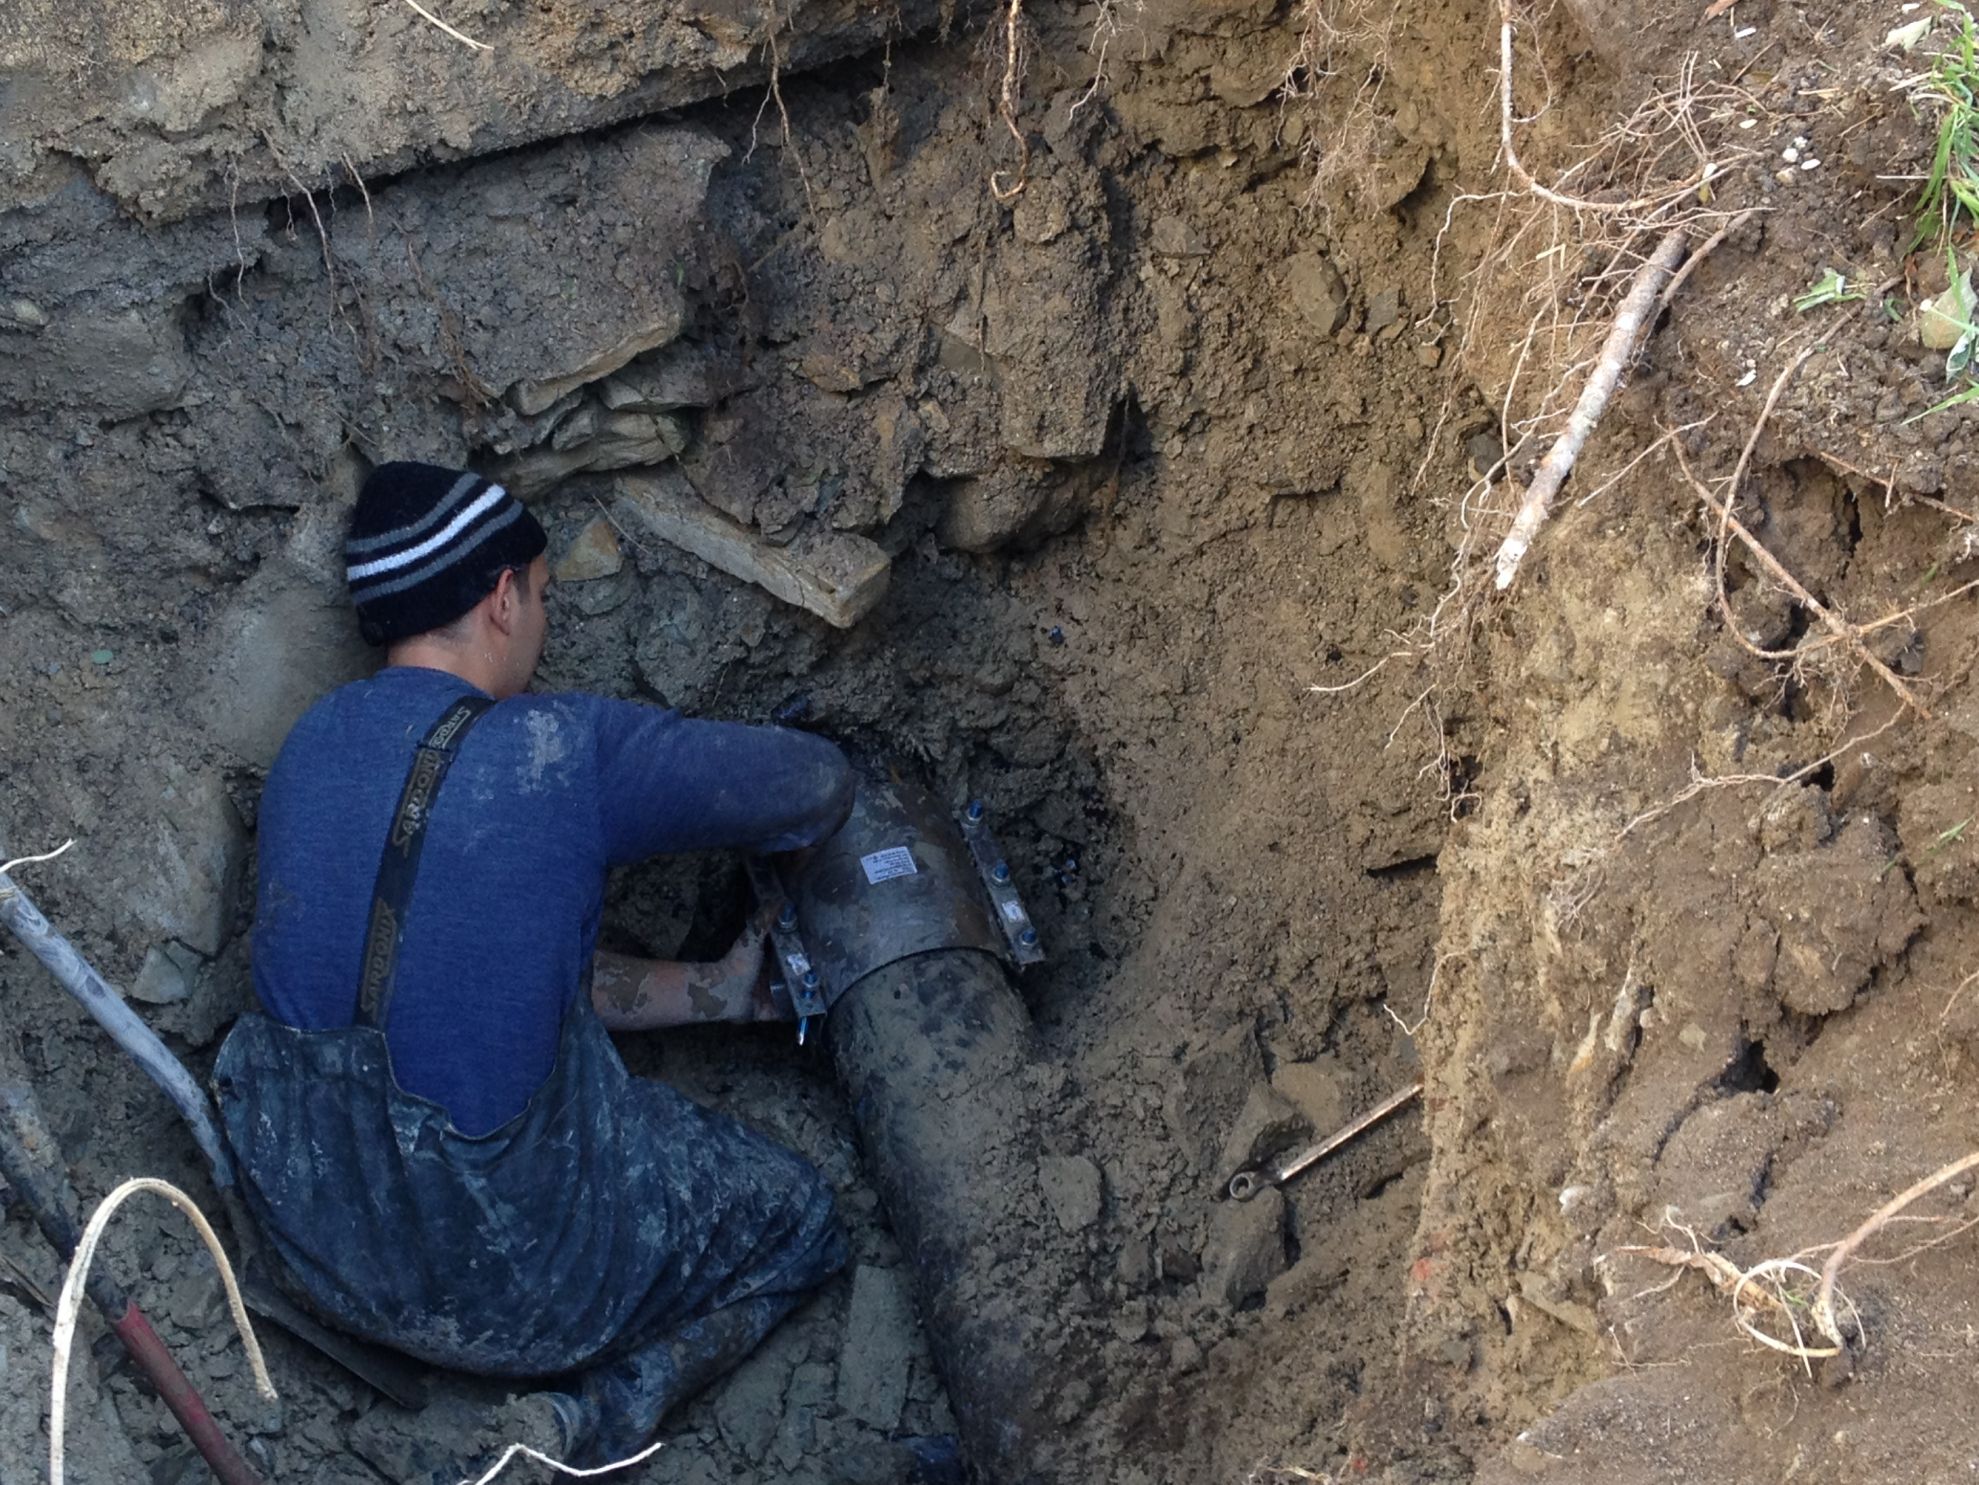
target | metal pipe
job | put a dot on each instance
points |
(935, 1053)
(940, 1063)
(31, 1166)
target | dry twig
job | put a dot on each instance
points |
(1844, 632)
(1704, 251)
(1631, 318)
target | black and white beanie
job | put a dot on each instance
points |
(427, 543)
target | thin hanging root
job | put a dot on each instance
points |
(69, 1305)
(1524, 177)
(1824, 1298)
(1844, 632)
(1631, 319)
(1004, 186)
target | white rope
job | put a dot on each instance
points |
(561, 1468)
(70, 1304)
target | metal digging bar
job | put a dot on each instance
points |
(392, 1375)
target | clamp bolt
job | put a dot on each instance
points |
(1028, 937)
(810, 979)
(788, 917)
(975, 810)
(1000, 872)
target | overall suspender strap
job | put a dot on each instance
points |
(399, 865)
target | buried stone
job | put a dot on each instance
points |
(593, 554)
(837, 575)
(1246, 1248)
(874, 1367)
(1268, 1124)
(167, 974)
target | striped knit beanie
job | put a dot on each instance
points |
(427, 543)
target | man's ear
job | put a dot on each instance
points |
(502, 601)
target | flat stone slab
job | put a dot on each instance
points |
(879, 1349)
(837, 575)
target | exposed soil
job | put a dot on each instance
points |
(1181, 431)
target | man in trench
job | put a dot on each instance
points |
(433, 1129)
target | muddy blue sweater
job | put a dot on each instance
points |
(546, 794)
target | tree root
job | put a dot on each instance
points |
(1824, 1299)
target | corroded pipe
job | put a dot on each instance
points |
(940, 1061)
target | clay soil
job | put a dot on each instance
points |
(1185, 462)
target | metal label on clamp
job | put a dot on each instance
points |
(884, 866)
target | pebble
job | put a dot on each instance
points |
(1171, 237)
(1941, 328)
(1384, 308)
(1317, 291)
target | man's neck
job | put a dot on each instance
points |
(471, 662)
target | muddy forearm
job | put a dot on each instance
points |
(643, 994)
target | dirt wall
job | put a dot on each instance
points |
(1070, 499)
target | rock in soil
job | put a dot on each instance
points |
(878, 1354)
(1268, 1124)
(1072, 1189)
(1246, 1248)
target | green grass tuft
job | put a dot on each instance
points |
(1953, 184)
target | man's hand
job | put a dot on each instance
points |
(644, 994)
(750, 959)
